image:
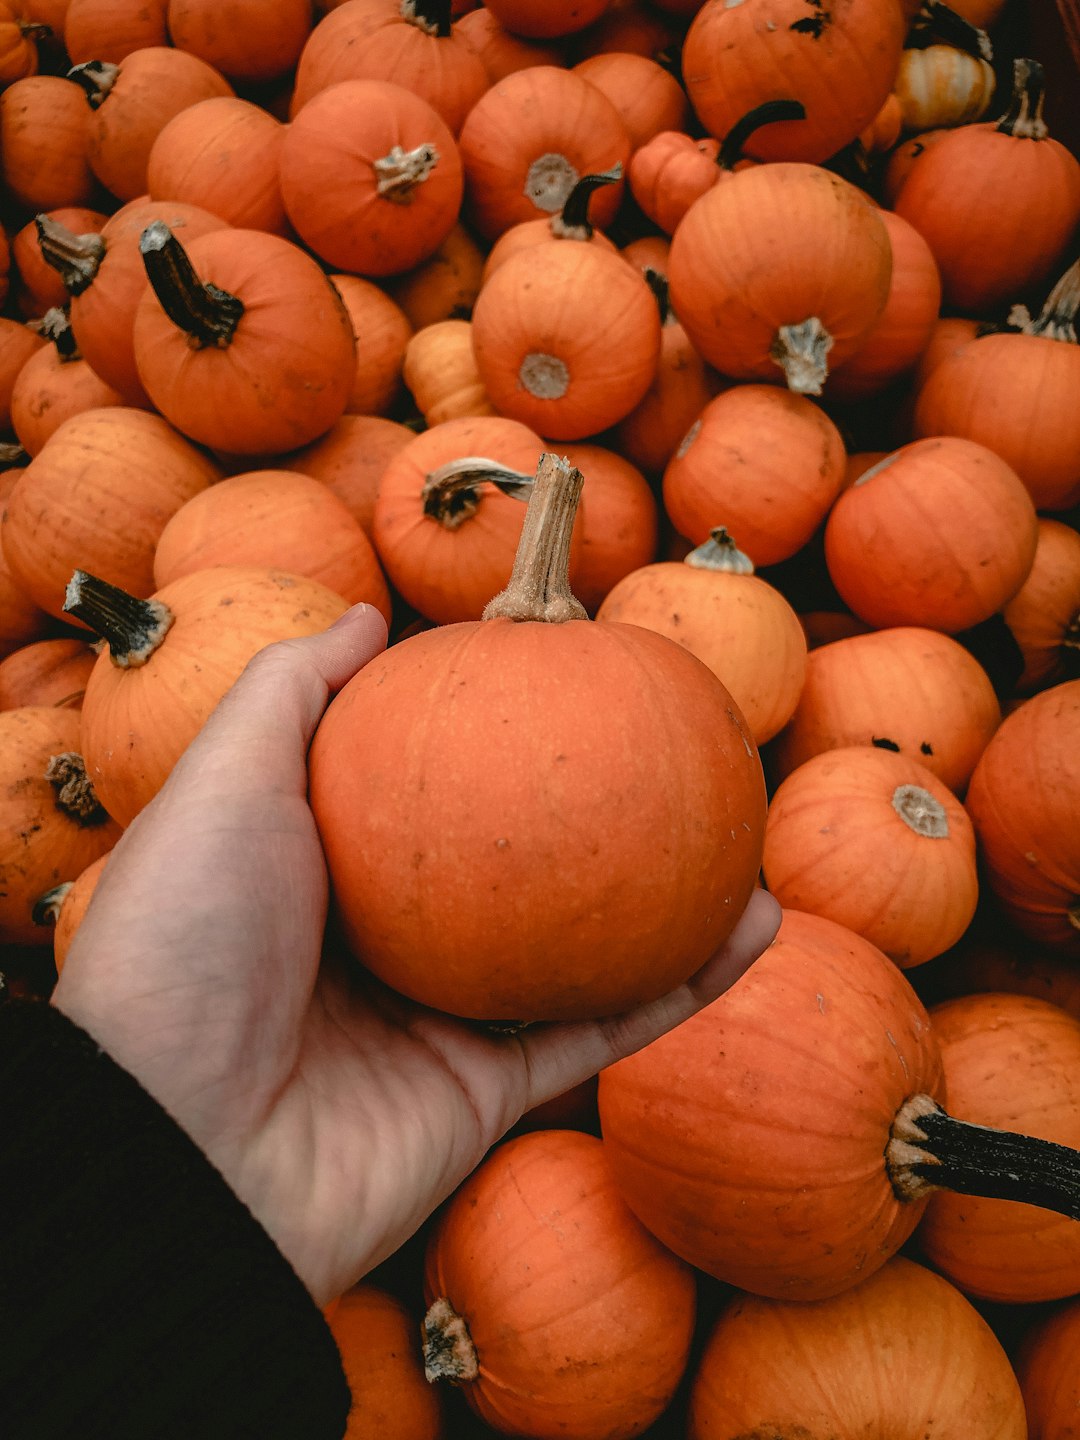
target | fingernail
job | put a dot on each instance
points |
(351, 614)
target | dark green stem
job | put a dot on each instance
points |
(133, 629)
(56, 326)
(1024, 117)
(658, 284)
(432, 16)
(937, 23)
(573, 222)
(209, 315)
(1057, 319)
(731, 150)
(97, 78)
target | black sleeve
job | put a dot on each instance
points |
(139, 1298)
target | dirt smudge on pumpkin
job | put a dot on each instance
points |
(813, 25)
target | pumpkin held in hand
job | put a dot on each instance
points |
(534, 816)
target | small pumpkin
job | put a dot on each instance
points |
(239, 38)
(110, 30)
(445, 286)
(1044, 614)
(618, 521)
(570, 223)
(1047, 1373)
(500, 51)
(55, 384)
(942, 86)
(64, 907)
(350, 458)
(46, 672)
(44, 144)
(376, 1338)
(441, 374)
(382, 333)
(648, 98)
(547, 19)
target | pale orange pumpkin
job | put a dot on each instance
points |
(873, 840)
(239, 37)
(737, 623)
(441, 373)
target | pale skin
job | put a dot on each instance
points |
(340, 1113)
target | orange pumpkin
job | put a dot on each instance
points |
(44, 139)
(1049, 1379)
(350, 458)
(941, 533)
(570, 223)
(762, 462)
(772, 1367)
(239, 37)
(542, 1218)
(618, 521)
(371, 177)
(376, 1338)
(500, 52)
(782, 271)
(47, 672)
(53, 822)
(116, 476)
(1015, 392)
(737, 623)
(21, 622)
(112, 29)
(648, 98)
(18, 343)
(441, 374)
(529, 139)
(527, 760)
(257, 359)
(55, 384)
(1023, 802)
(65, 907)
(168, 661)
(876, 842)
(445, 286)
(278, 519)
(736, 56)
(19, 36)
(566, 338)
(905, 689)
(1044, 614)
(1014, 1062)
(382, 333)
(547, 19)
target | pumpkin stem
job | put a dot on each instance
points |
(800, 351)
(431, 16)
(731, 148)
(658, 284)
(1024, 117)
(1057, 319)
(97, 78)
(56, 326)
(449, 1353)
(208, 316)
(450, 493)
(47, 907)
(133, 629)
(1071, 638)
(572, 222)
(75, 258)
(937, 22)
(929, 1150)
(720, 552)
(401, 171)
(921, 811)
(12, 455)
(35, 30)
(539, 587)
(75, 796)
(1073, 914)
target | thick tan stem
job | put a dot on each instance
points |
(449, 1353)
(801, 351)
(1024, 117)
(132, 628)
(451, 493)
(75, 795)
(1057, 319)
(539, 587)
(75, 258)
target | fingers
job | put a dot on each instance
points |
(560, 1056)
(256, 739)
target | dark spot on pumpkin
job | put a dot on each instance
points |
(225, 600)
(883, 744)
(926, 748)
(813, 25)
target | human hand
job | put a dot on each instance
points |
(341, 1113)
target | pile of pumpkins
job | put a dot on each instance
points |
(763, 313)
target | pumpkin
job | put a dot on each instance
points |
(941, 533)
(782, 270)
(1044, 614)
(873, 840)
(445, 286)
(681, 388)
(1015, 392)
(39, 286)
(376, 1338)
(996, 202)
(278, 519)
(414, 46)
(648, 98)
(500, 52)
(21, 622)
(18, 343)
(222, 154)
(105, 278)
(1010, 1061)
(441, 373)
(529, 139)
(53, 822)
(737, 623)
(901, 1354)
(906, 689)
(116, 476)
(55, 384)
(258, 358)
(110, 29)
(942, 86)
(239, 37)
(618, 521)
(736, 56)
(1023, 802)
(551, 790)
(902, 331)
(627, 29)
(18, 42)
(446, 533)
(566, 339)
(786, 1139)
(902, 159)
(130, 103)
(350, 458)
(547, 19)
(382, 334)
(762, 462)
(64, 907)
(570, 223)
(371, 177)
(1046, 1369)
(44, 139)
(169, 659)
(551, 1307)
(884, 130)
(46, 672)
